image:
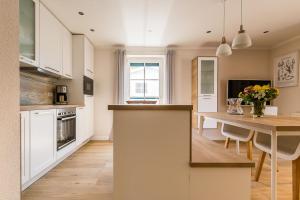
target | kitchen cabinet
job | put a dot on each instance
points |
(66, 52)
(89, 104)
(205, 88)
(25, 159)
(81, 127)
(88, 58)
(42, 140)
(29, 32)
(50, 41)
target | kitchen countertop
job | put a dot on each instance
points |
(46, 107)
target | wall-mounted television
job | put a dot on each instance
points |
(234, 87)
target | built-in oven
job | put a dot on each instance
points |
(66, 127)
(88, 86)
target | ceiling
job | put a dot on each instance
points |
(183, 23)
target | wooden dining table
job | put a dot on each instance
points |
(272, 125)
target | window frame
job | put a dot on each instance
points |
(143, 59)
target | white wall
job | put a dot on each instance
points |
(288, 100)
(9, 101)
(243, 64)
(105, 84)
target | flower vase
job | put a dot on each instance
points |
(258, 108)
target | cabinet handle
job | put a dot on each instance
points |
(90, 71)
(52, 69)
(42, 113)
(66, 118)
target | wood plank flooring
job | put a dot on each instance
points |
(87, 175)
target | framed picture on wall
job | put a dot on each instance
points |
(286, 70)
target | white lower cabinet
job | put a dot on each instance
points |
(25, 131)
(42, 140)
(89, 105)
(80, 125)
(85, 120)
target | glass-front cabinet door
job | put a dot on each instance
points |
(29, 32)
(207, 76)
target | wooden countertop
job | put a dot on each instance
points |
(274, 123)
(206, 153)
(45, 107)
(149, 107)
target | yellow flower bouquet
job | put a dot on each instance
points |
(257, 96)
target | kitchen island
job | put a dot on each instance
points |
(153, 158)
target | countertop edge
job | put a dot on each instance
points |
(150, 107)
(222, 164)
(46, 107)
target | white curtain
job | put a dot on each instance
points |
(170, 75)
(120, 60)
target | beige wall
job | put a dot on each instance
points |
(288, 100)
(105, 82)
(9, 101)
(242, 64)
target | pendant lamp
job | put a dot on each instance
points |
(224, 49)
(242, 39)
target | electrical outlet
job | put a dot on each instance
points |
(50, 94)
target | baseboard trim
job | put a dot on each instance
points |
(100, 137)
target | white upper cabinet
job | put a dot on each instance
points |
(42, 140)
(50, 41)
(207, 76)
(29, 32)
(88, 58)
(66, 53)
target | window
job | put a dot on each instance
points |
(144, 78)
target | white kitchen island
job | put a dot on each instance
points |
(154, 158)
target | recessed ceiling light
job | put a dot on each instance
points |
(92, 30)
(208, 31)
(266, 31)
(81, 13)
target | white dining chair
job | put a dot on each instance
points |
(244, 135)
(288, 148)
(239, 135)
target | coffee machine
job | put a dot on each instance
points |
(60, 95)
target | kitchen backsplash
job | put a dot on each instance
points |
(36, 89)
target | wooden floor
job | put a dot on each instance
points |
(87, 175)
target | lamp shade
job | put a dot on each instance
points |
(224, 49)
(241, 40)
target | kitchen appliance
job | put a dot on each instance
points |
(88, 86)
(66, 127)
(60, 95)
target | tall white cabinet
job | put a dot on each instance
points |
(205, 88)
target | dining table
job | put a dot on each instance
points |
(275, 126)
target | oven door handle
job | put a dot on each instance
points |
(66, 118)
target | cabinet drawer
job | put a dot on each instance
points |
(207, 104)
